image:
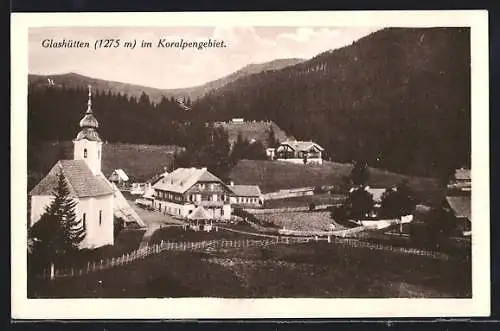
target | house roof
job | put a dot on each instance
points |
(462, 174)
(246, 190)
(181, 179)
(80, 179)
(118, 174)
(460, 206)
(302, 145)
(199, 213)
(376, 193)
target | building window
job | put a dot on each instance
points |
(222, 212)
(98, 154)
(84, 219)
(100, 217)
(84, 153)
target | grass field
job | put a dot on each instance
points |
(302, 270)
(302, 221)
(275, 175)
(304, 201)
(140, 162)
(258, 130)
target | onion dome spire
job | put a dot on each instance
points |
(89, 123)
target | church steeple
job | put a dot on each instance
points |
(88, 144)
(89, 123)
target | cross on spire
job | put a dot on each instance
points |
(89, 102)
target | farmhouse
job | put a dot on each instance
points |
(119, 177)
(461, 180)
(185, 189)
(246, 196)
(377, 194)
(92, 192)
(270, 153)
(300, 152)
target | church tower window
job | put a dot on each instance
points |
(100, 217)
(84, 217)
(87, 140)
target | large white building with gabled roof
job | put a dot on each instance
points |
(185, 190)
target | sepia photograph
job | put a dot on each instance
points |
(221, 161)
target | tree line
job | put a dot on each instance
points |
(399, 98)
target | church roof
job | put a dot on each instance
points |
(80, 179)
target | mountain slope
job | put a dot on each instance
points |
(73, 80)
(399, 98)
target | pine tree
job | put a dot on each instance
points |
(359, 203)
(272, 141)
(360, 174)
(58, 233)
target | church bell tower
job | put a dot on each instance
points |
(88, 145)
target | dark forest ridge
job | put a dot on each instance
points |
(398, 98)
(75, 80)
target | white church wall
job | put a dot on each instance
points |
(38, 205)
(94, 154)
(98, 233)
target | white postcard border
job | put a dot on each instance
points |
(198, 308)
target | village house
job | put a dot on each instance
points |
(461, 180)
(248, 196)
(299, 152)
(119, 178)
(377, 194)
(183, 190)
(92, 192)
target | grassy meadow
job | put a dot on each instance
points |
(142, 162)
(301, 270)
(275, 175)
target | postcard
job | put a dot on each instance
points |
(236, 165)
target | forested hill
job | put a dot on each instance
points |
(399, 98)
(74, 81)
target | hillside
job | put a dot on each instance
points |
(399, 98)
(140, 162)
(275, 175)
(258, 130)
(74, 80)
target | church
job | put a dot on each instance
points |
(94, 194)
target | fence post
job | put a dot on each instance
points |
(52, 271)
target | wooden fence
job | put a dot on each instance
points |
(144, 252)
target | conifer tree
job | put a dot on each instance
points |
(59, 232)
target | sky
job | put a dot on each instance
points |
(173, 67)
